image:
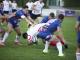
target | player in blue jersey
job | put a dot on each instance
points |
(13, 23)
(49, 31)
(77, 26)
(46, 19)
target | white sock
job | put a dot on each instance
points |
(5, 36)
(46, 45)
(17, 38)
(77, 56)
(59, 47)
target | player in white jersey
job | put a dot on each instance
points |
(32, 32)
(14, 6)
(37, 9)
(6, 5)
(29, 4)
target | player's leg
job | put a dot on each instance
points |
(59, 46)
(10, 28)
(62, 41)
(17, 40)
(47, 42)
(78, 47)
(53, 42)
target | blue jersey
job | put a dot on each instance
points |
(52, 27)
(45, 19)
(15, 19)
(19, 14)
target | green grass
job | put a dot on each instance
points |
(25, 52)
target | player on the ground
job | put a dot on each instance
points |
(49, 31)
(31, 34)
(77, 26)
(13, 23)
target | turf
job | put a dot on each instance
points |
(34, 52)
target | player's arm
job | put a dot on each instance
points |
(28, 19)
(31, 20)
(11, 15)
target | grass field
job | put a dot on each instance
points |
(34, 52)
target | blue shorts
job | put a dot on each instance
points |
(14, 22)
(78, 37)
(44, 35)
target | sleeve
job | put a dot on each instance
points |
(20, 14)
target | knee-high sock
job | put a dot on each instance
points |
(77, 56)
(5, 36)
(46, 45)
(59, 47)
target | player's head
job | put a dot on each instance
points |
(61, 17)
(25, 8)
(51, 15)
(25, 35)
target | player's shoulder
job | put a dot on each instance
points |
(53, 20)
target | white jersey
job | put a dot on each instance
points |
(38, 8)
(33, 31)
(29, 4)
(14, 5)
(6, 6)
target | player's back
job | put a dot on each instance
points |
(53, 24)
(35, 29)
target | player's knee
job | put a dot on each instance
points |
(25, 35)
